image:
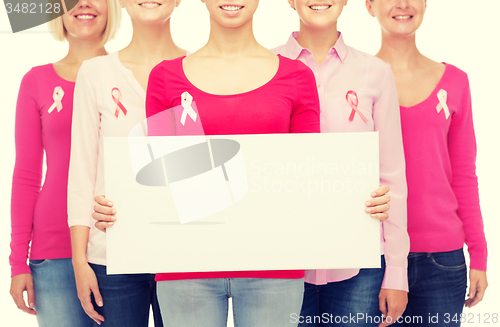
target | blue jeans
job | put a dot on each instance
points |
(438, 283)
(126, 298)
(351, 302)
(257, 302)
(56, 298)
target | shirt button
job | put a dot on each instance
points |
(319, 85)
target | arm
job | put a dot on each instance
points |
(26, 183)
(160, 120)
(305, 114)
(81, 184)
(393, 296)
(462, 152)
(86, 281)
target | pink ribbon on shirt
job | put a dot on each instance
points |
(442, 96)
(186, 102)
(57, 96)
(352, 99)
(118, 102)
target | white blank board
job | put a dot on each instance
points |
(304, 209)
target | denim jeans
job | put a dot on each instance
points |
(438, 282)
(56, 298)
(351, 302)
(126, 298)
(262, 302)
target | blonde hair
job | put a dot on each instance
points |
(59, 32)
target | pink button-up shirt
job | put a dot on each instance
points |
(344, 70)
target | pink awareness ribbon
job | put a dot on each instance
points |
(352, 99)
(186, 101)
(118, 102)
(57, 96)
(442, 96)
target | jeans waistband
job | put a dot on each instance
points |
(419, 254)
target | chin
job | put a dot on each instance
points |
(89, 36)
(231, 23)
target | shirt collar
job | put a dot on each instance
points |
(294, 49)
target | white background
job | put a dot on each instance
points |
(460, 32)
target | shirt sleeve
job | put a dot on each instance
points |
(462, 152)
(387, 121)
(160, 121)
(305, 114)
(27, 177)
(85, 131)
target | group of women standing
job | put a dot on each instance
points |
(420, 108)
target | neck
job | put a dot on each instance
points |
(150, 44)
(318, 41)
(228, 42)
(399, 52)
(80, 50)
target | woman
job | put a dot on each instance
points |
(440, 151)
(212, 76)
(349, 80)
(43, 122)
(109, 101)
(277, 95)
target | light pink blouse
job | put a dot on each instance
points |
(370, 83)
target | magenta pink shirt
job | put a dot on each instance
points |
(288, 103)
(344, 70)
(42, 124)
(440, 150)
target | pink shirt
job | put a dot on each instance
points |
(43, 123)
(346, 69)
(288, 103)
(440, 149)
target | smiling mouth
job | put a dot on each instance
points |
(85, 16)
(403, 17)
(320, 7)
(231, 8)
(149, 4)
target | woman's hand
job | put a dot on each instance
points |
(379, 203)
(103, 213)
(477, 287)
(392, 303)
(20, 284)
(86, 284)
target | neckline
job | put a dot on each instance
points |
(59, 76)
(339, 48)
(133, 81)
(434, 91)
(278, 71)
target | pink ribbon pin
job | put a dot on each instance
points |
(57, 96)
(186, 102)
(352, 99)
(118, 102)
(442, 96)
